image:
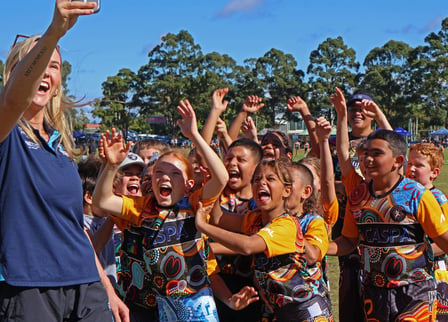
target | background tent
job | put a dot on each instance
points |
(440, 132)
(402, 131)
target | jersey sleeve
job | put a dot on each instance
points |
(212, 264)
(349, 229)
(317, 235)
(280, 236)
(431, 216)
(351, 180)
(331, 212)
(196, 197)
(133, 208)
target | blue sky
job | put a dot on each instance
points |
(123, 32)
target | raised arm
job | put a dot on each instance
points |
(297, 104)
(115, 151)
(241, 244)
(26, 76)
(249, 129)
(328, 191)
(371, 109)
(219, 176)
(342, 139)
(252, 104)
(222, 134)
(218, 107)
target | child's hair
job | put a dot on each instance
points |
(312, 161)
(395, 141)
(254, 147)
(429, 150)
(284, 138)
(181, 157)
(150, 143)
(280, 169)
(88, 171)
(307, 178)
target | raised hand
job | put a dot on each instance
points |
(115, 149)
(249, 129)
(218, 102)
(296, 104)
(188, 123)
(338, 101)
(370, 108)
(66, 13)
(323, 128)
(221, 128)
(252, 104)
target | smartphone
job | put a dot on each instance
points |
(97, 7)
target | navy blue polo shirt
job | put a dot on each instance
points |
(42, 242)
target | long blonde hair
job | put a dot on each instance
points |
(57, 113)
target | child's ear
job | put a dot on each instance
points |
(289, 155)
(434, 174)
(189, 184)
(287, 190)
(399, 161)
(88, 198)
(307, 192)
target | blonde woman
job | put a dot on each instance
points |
(48, 270)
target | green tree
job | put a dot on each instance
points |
(168, 77)
(117, 108)
(277, 80)
(331, 64)
(386, 78)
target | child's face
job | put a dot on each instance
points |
(169, 181)
(273, 147)
(358, 119)
(146, 153)
(300, 191)
(147, 181)
(240, 165)
(419, 169)
(130, 182)
(379, 160)
(269, 192)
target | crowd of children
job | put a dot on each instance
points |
(242, 234)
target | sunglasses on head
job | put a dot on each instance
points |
(20, 38)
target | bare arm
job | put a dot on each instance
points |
(218, 107)
(252, 104)
(238, 301)
(312, 253)
(26, 76)
(250, 130)
(342, 246)
(115, 152)
(328, 191)
(222, 134)
(442, 242)
(241, 244)
(103, 235)
(219, 176)
(219, 249)
(371, 109)
(297, 104)
(119, 310)
(342, 139)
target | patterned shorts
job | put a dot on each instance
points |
(196, 307)
(413, 302)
